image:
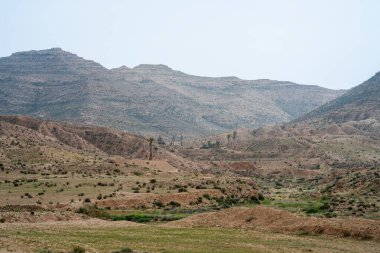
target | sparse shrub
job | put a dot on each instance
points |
(44, 250)
(158, 203)
(124, 250)
(182, 189)
(254, 199)
(78, 249)
(209, 144)
(174, 204)
(160, 140)
(207, 196)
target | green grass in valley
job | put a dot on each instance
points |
(147, 217)
(309, 207)
(140, 216)
(169, 240)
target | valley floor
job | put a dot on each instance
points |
(106, 236)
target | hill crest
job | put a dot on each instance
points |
(147, 99)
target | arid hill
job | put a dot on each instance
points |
(268, 219)
(75, 137)
(344, 133)
(359, 103)
(147, 99)
(22, 132)
(332, 155)
(47, 165)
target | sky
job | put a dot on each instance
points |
(331, 43)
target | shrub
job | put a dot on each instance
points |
(44, 250)
(124, 250)
(207, 196)
(182, 189)
(78, 249)
(174, 204)
(158, 203)
(141, 218)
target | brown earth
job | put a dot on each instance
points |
(35, 217)
(92, 140)
(148, 199)
(84, 222)
(273, 220)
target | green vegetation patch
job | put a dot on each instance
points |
(169, 240)
(315, 207)
(134, 215)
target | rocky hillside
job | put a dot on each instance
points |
(359, 103)
(148, 99)
(74, 138)
(26, 137)
(344, 133)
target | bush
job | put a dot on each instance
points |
(78, 249)
(124, 250)
(210, 144)
(207, 196)
(174, 204)
(158, 203)
(141, 218)
(92, 211)
(182, 189)
(44, 250)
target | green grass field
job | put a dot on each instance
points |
(146, 238)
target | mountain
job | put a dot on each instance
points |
(343, 133)
(359, 103)
(148, 99)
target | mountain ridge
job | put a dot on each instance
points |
(147, 99)
(359, 103)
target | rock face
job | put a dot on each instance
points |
(359, 103)
(48, 83)
(147, 99)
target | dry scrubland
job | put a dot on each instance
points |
(64, 185)
(311, 185)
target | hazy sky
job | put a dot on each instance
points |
(332, 43)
